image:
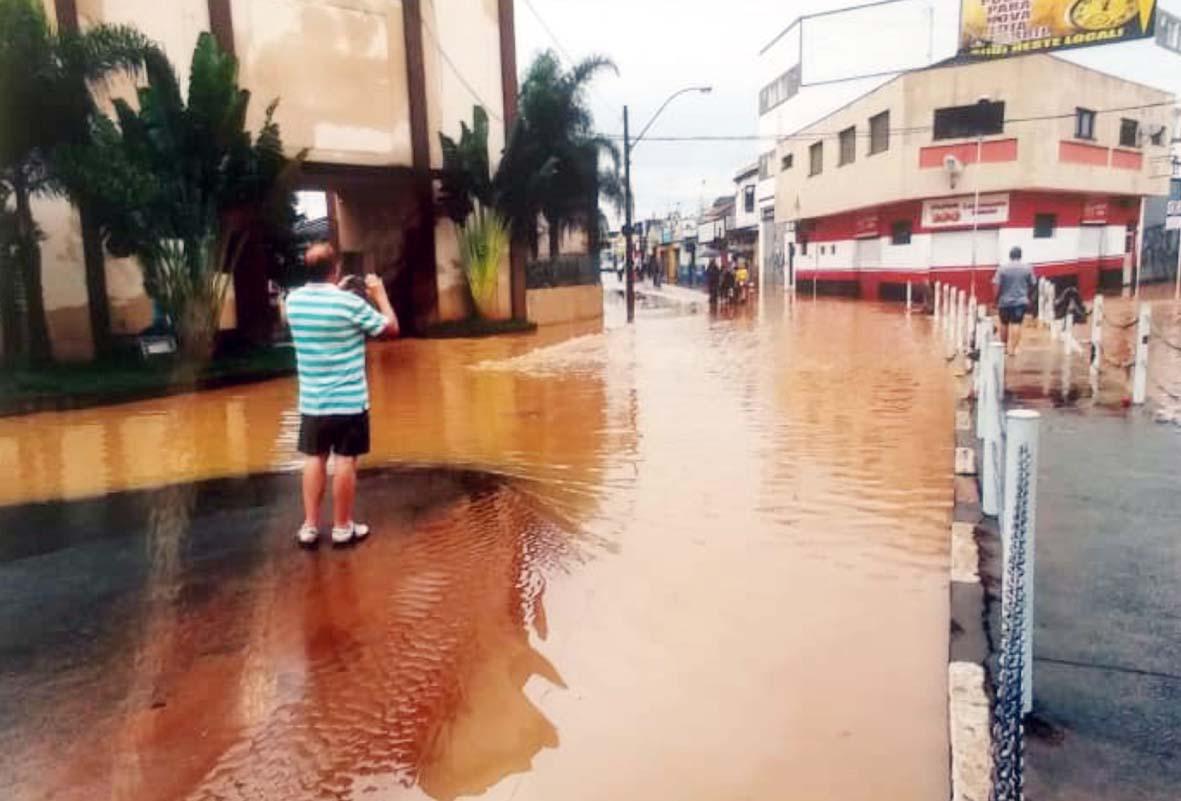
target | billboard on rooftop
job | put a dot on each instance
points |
(991, 29)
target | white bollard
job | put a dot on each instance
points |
(1051, 295)
(1140, 370)
(973, 324)
(909, 296)
(983, 338)
(1068, 332)
(1096, 342)
(948, 311)
(961, 312)
(1020, 508)
(936, 290)
(993, 412)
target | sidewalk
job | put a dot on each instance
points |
(1107, 639)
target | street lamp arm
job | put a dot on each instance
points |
(664, 105)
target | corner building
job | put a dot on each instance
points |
(883, 191)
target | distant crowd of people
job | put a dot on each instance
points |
(728, 283)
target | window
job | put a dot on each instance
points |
(780, 90)
(900, 233)
(1129, 133)
(1157, 137)
(879, 133)
(786, 162)
(803, 247)
(748, 199)
(816, 159)
(765, 162)
(1044, 225)
(978, 119)
(1084, 123)
(848, 146)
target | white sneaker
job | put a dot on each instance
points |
(307, 536)
(353, 532)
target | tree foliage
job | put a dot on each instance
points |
(183, 185)
(46, 102)
(551, 163)
(550, 166)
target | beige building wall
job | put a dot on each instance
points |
(338, 69)
(1032, 86)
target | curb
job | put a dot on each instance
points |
(969, 706)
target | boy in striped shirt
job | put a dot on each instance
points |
(329, 327)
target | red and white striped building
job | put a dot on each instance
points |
(883, 192)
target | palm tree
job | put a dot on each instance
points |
(45, 99)
(184, 186)
(550, 167)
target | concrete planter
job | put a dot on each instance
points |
(564, 304)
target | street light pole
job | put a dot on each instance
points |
(627, 221)
(628, 146)
(976, 209)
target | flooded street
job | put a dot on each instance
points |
(703, 557)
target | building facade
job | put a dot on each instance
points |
(884, 190)
(365, 87)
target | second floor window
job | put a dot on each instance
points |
(1129, 133)
(1044, 225)
(848, 146)
(786, 162)
(879, 133)
(816, 159)
(748, 199)
(962, 122)
(1084, 123)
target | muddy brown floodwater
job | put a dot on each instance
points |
(704, 557)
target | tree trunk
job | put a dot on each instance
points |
(39, 349)
(555, 241)
(96, 286)
(10, 316)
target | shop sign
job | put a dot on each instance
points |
(866, 225)
(991, 29)
(1095, 212)
(957, 212)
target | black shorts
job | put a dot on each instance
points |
(1012, 315)
(342, 434)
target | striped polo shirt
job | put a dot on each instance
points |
(329, 326)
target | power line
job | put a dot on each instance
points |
(561, 47)
(459, 75)
(814, 136)
(550, 32)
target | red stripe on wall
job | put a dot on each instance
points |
(1081, 153)
(1023, 208)
(994, 152)
(1127, 160)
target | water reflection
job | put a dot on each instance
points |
(240, 667)
(726, 533)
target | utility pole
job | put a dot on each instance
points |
(627, 191)
(627, 220)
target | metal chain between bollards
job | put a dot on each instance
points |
(1160, 337)
(1122, 326)
(1008, 733)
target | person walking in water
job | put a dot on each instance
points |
(329, 326)
(1014, 282)
(713, 280)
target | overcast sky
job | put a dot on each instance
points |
(661, 46)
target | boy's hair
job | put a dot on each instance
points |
(1015, 254)
(320, 261)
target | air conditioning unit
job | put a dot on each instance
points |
(954, 169)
